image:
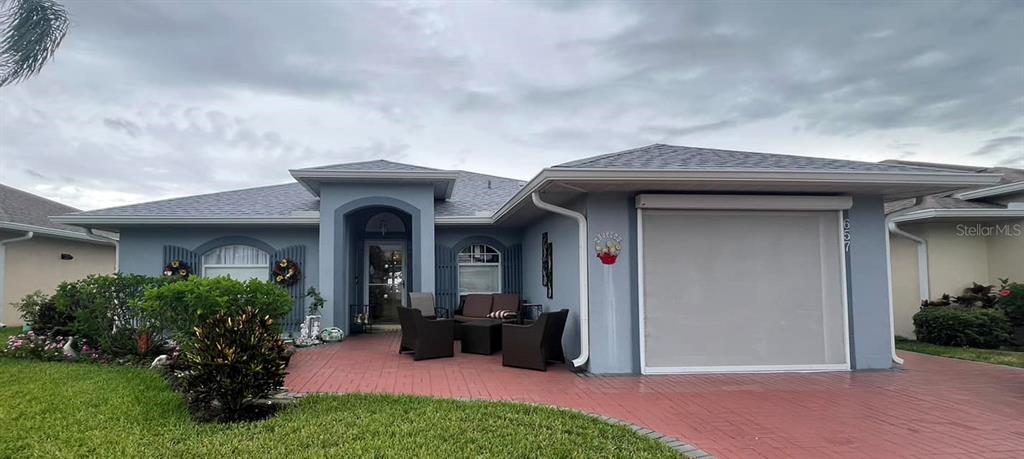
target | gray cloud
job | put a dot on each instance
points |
(1014, 143)
(148, 100)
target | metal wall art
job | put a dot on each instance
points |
(546, 266)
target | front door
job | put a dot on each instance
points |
(385, 279)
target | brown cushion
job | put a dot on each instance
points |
(477, 305)
(505, 301)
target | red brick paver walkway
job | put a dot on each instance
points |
(934, 407)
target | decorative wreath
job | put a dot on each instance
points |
(286, 272)
(177, 268)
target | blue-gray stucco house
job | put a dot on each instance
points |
(671, 259)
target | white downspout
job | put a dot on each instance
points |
(117, 248)
(3, 265)
(922, 259)
(922, 277)
(581, 221)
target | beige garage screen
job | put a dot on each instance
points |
(742, 291)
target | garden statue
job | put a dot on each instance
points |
(69, 350)
(159, 361)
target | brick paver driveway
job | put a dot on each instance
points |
(933, 407)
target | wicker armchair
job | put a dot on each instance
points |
(533, 346)
(425, 338)
(424, 301)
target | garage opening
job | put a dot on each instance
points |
(742, 290)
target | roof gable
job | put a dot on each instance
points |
(373, 165)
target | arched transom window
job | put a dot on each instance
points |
(240, 262)
(479, 269)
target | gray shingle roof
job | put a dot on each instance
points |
(947, 200)
(375, 165)
(671, 157)
(25, 208)
(474, 195)
(266, 201)
(477, 194)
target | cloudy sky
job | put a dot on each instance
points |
(148, 100)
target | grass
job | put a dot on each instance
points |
(1010, 358)
(7, 332)
(83, 410)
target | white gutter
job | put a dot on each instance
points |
(117, 247)
(1008, 212)
(53, 232)
(997, 190)
(584, 249)
(158, 220)
(3, 265)
(945, 179)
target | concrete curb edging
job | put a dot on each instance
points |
(684, 449)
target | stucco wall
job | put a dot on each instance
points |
(614, 330)
(955, 260)
(142, 247)
(35, 264)
(563, 234)
(868, 285)
(336, 200)
(906, 295)
(1006, 254)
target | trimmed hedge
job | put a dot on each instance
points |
(961, 326)
(181, 307)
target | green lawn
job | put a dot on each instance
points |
(7, 332)
(83, 410)
(1010, 358)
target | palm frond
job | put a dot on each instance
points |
(32, 31)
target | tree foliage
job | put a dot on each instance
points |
(31, 32)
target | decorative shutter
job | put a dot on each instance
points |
(192, 259)
(446, 288)
(296, 253)
(512, 269)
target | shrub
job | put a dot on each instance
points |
(42, 312)
(180, 307)
(231, 361)
(106, 310)
(960, 326)
(977, 295)
(1010, 299)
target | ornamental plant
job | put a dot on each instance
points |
(1010, 298)
(316, 301)
(231, 361)
(180, 307)
(35, 346)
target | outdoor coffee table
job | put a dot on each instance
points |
(481, 337)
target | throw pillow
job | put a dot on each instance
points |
(502, 314)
